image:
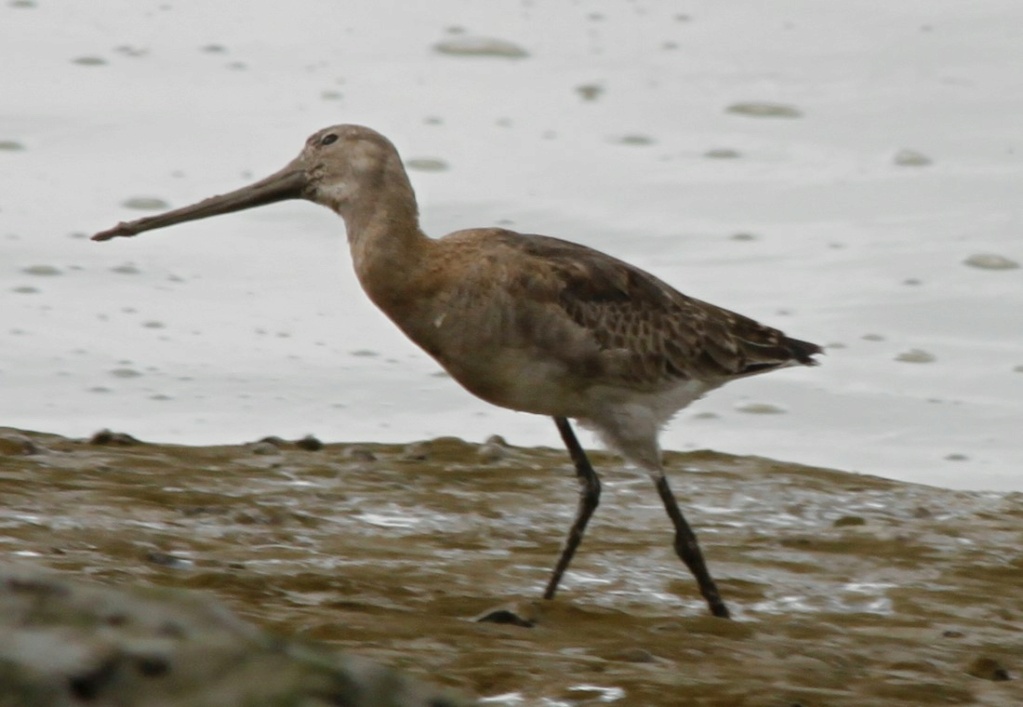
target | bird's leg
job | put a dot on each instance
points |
(589, 498)
(688, 549)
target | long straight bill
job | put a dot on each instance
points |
(289, 183)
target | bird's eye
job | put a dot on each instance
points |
(328, 139)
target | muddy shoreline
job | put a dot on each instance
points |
(848, 589)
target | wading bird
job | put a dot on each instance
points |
(527, 322)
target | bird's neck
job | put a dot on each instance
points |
(386, 242)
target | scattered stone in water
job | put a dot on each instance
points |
(126, 269)
(264, 448)
(956, 457)
(849, 521)
(309, 443)
(363, 353)
(25, 290)
(11, 146)
(988, 668)
(916, 356)
(331, 95)
(705, 416)
(360, 454)
(153, 324)
(41, 270)
(145, 203)
(990, 261)
(952, 633)
(125, 373)
(90, 61)
(479, 46)
(106, 437)
(872, 337)
(589, 91)
(722, 153)
(512, 615)
(1018, 369)
(757, 109)
(760, 408)
(165, 559)
(427, 164)
(213, 49)
(912, 281)
(415, 452)
(911, 158)
(22, 3)
(494, 449)
(635, 139)
(743, 237)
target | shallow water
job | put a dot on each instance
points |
(847, 589)
(835, 170)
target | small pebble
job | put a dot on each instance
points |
(480, 46)
(264, 448)
(427, 164)
(165, 559)
(360, 454)
(512, 615)
(911, 158)
(990, 261)
(757, 109)
(916, 356)
(145, 203)
(415, 452)
(11, 146)
(90, 61)
(589, 91)
(760, 408)
(849, 521)
(722, 153)
(118, 439)
(634, 139)
(494, 449)
(41, 270)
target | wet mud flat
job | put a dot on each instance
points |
(847, 589)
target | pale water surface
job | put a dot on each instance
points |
(870, 150)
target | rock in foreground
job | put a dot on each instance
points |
(70, 642)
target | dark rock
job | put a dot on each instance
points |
(309, 444)
(72, 642)
(116, 439)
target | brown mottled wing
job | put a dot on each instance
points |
(665, 335)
